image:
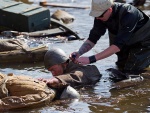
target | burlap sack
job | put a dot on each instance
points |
(23, 91)
(63, 16)
(12, 44)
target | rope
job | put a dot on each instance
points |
(3, 89)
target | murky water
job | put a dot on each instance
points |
(94, 99)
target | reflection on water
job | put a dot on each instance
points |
(95, 99)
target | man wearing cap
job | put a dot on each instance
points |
(128, 32)
(66, 72)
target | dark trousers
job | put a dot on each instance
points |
(133, 58)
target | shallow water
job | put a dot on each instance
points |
(94, 99)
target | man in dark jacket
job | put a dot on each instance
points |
(129, 35)
(66, 72)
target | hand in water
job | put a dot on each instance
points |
(54, 82)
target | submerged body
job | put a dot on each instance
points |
(66, 72)
(78, 75)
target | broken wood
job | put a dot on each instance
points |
(48, 32)
(35, 54)
(63, 5)
(60, 29)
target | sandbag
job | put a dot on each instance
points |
(23, 91)
(12, 44)
(63, 16)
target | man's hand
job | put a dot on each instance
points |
(42, 79)
(83, 60)
(54, 82)
(73, 56)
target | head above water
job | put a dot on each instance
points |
(54, 56)
(98, 7)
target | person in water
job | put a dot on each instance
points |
(128, 29)
(66, 72)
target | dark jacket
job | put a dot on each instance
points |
(76, 74)
(124, 22)
(128, 29)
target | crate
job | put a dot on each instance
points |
(23, 17)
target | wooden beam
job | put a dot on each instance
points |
(63, 5)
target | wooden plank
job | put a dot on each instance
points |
(64, 5)
(19, 56)
(47, 32)
(54, 21)
(62, 29)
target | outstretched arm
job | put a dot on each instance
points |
(104, 54)
(52, 82)
(107, 52)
